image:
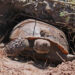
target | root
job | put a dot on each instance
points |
(60, 57)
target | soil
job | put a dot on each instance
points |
(15, 67)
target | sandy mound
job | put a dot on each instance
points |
(11, 67)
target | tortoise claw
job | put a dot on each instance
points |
(2, 50)
(70, 57)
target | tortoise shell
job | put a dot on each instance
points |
(32, 29)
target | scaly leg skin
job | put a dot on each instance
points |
(41, 46)
(15, 47)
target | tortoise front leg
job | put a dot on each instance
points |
(15, 47)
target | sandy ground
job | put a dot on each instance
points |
(11, 67)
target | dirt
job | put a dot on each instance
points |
(14, 67)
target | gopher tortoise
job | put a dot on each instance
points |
(39, 38)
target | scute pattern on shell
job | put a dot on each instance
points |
(25, 29)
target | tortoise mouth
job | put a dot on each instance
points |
(41, 51)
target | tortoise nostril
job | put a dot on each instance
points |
(46, 44)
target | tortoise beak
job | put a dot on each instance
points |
(70, 57)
